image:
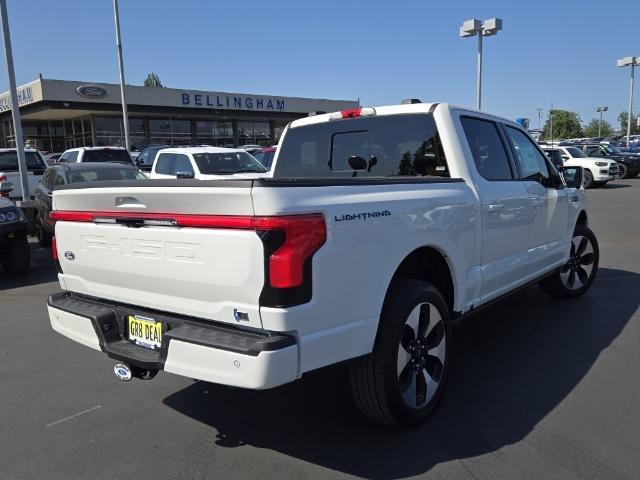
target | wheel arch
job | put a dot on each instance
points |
(583, 219)
(431, 264)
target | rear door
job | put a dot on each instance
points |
(505, 208)
(549, 230)
(210, 273)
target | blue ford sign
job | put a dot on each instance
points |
(233, 101)
(91, 91)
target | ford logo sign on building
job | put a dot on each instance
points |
(91, 91)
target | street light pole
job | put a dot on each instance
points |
(479, 75)
(487, 28)
(125, 114)
(15, 108)
(632, 62)
(601, 109)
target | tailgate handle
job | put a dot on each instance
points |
(129, 202)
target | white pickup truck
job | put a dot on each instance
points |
(9, 171)
(380, 227)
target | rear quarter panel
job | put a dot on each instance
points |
(352, 271)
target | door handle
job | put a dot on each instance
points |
(494, 208)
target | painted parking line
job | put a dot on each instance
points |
(73, 416)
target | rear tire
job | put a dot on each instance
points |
(402, 380)
(44, 238)
(576, 276)
(16, 259)
(587, 180)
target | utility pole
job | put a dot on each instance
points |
(15, 109)
(539, 110)
(601, 109)
(551, 123)
(125, 115)
(632, 62)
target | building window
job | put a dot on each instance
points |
(214, 133)
(254, 133)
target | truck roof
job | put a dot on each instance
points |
(428, 107)
(193, 150)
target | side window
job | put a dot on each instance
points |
(592, 151)
(144, 156)
(529, 158)
(63, 158)
(57, 179)
(487, 148)
(163, 163)
(46, 179)
(181, 164)
(71, 157)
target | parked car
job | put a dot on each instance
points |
(379, 227)
(9, 171)
(15, 254)
(597, 171)
(64, 174)
(96, 154)
(265, 156)
(206, 163)
(52, 158)
(148, 155)
(628, 163)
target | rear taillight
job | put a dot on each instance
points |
(3, 178)
(303, 236)
(54, 248)
(289, 243)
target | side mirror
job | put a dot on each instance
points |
(357, 163)
(185, 175)
(5, 188)
(564, 157)
(572, 176)
(373, 161)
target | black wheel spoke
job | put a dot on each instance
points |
(408, 337)
(565, 268)
(421, 388)
(583, 245)
(582, 275)
(425, 318)
(435, 336)
(587, 259)
(572, 252)
(406, 377)
(572, 279)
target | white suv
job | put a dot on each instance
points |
(96, 154)
(597, 171)
(206, 163)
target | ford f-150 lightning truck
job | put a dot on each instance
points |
(380, 227)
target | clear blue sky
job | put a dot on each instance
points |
(379, 51)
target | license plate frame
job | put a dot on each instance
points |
(144, 331)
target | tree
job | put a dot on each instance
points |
(566, 124)
(593, 127)
(622, 118)
(153, 80)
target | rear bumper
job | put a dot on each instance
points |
(190, 347)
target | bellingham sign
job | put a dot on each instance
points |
(235, 102)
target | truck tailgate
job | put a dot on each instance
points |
(210, 273)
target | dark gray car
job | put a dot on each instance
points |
(66, 173)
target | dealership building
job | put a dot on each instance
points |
(60, 114)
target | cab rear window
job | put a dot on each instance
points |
(390, 145)
(9, 161)
(121, 156)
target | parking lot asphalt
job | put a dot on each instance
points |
(540, 389)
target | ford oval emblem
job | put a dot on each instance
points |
(69, 255)
(122, 372)
(91, 91)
